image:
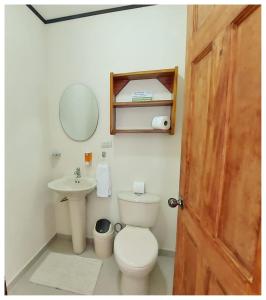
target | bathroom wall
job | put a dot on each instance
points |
(87, 50)
(29, 213)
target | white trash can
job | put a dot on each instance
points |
(103, 235)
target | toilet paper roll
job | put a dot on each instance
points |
(161, 122)
(138, 187)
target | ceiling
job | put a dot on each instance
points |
(58, 11)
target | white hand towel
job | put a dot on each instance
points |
(103, 180)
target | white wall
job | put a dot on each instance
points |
(41, 60)
(87, 50)
(29, 213)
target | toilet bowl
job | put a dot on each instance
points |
(136, 251)
(135, 247)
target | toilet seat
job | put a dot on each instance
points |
(136, 249)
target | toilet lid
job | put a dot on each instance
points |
(135, 246)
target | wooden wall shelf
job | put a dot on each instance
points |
(142, 131)
(167, 77)
(144, 103)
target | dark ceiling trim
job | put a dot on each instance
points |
(83, 15)
(94, 13)
(36, 13)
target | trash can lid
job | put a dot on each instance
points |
(102, 225)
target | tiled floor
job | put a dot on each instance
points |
(109, 278)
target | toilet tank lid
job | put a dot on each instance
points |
(143, 198)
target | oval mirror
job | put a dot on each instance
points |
(78, 112)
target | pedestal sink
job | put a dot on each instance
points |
(75, 190)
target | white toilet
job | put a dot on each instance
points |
(135, 247)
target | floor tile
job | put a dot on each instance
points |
(109, 278)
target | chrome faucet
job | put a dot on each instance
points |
(78, 175)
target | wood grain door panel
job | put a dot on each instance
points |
(218, 238)
(201, 12)
(201, 72)
(239, 221)
(209, 73)
(214, 287)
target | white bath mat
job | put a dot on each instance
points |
(68, 272)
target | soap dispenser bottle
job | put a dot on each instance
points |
(88, 158)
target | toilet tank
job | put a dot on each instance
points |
(139, 210)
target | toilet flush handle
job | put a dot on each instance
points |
(172, 202)
(118, 227)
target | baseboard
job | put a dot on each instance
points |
(29, 263)
(63, 236)
(162, 252)
(168, 253)
(68, 237)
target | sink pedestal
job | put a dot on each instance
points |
(77, 209)
(75, 190)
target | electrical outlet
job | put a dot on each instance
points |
(107, 144)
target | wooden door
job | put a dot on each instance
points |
(218, 236)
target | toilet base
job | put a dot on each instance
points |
(134, 285)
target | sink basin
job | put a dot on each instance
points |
(67, 185)
(75, 191)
